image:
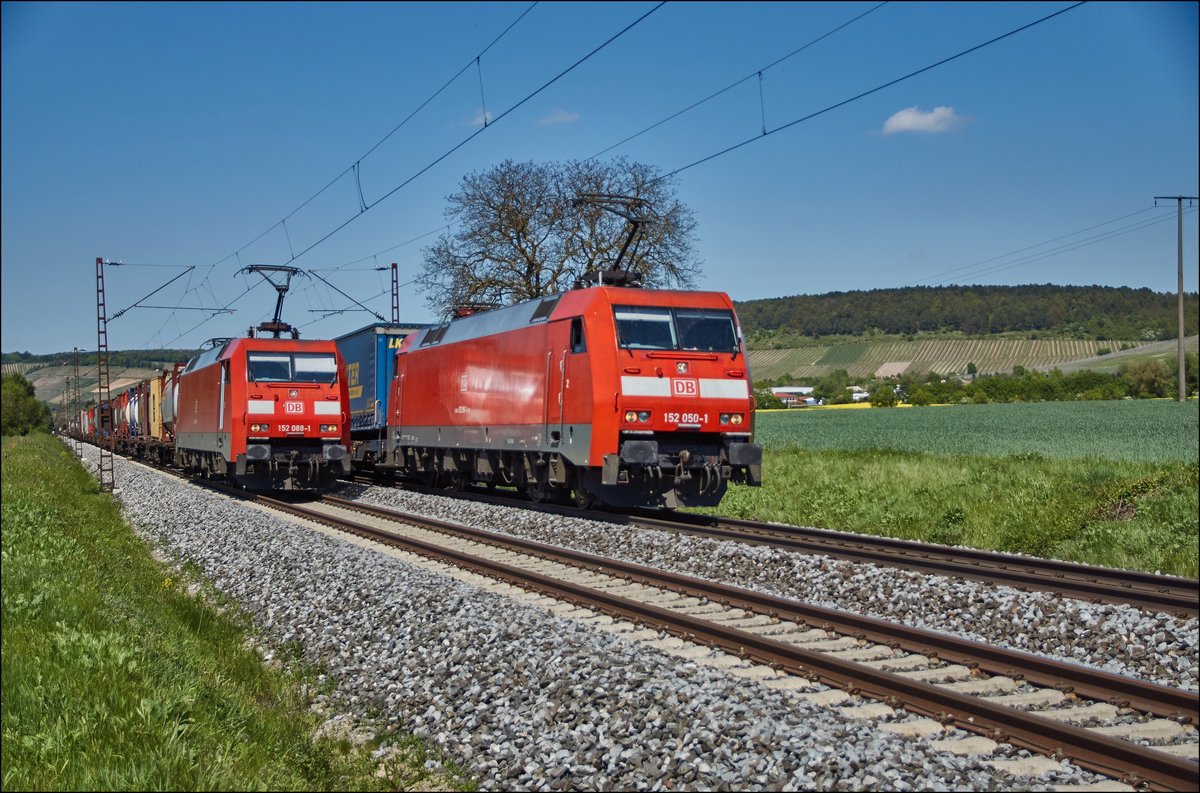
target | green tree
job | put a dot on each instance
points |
(20, 410)
(971, 368)
(831, 388)
(884, 396)
(920, 396)
(765, 400)
(1149, 378)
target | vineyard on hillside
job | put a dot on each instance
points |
(945, 356)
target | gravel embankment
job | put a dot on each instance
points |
(519, 697)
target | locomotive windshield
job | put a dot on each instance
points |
(300, 367)
(641, 328)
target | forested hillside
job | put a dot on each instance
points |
(1072, 312)
(143, 359)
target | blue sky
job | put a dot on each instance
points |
(176, 134)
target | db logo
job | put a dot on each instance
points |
(684, 387)
(293, 407)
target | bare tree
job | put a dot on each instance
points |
(520, 234)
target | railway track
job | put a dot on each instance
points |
(1156, 593)
(952, 682)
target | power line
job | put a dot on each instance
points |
(1026, 248)
(755, 73)
(874, 90)
(1094, 239)
(382, 252)
(472, 136)
(455, 148)
(750, 76)
(208, 319)
(355, 166)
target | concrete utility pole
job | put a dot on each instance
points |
(1179, 199)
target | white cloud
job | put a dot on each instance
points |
(481, 118)
(559, 117)
(913, 119)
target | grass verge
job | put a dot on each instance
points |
(116, 678)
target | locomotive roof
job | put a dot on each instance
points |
(246, 344)
(571, 303)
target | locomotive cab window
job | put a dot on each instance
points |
(578, 342)
(261, 366)
(701, 329)
(642, 328)
(315, 368)
(301, 367)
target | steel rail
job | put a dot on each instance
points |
(1095, 684)
(1110, 756)
(1171, 594)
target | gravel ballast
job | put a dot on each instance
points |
(520, 698)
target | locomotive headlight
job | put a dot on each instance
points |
(724, 418)
(259, 427)
(735, 419)
(630, 416)
(329, 428)
(644, 415)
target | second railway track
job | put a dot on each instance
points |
(1149, 591)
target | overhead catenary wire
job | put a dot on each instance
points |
(672, 173)
(155, 292)
(927, 279)
(867, 93)
(357, 163)
(556, 78)
(477, 132)
(355, 167)
(444, 227)
(757, 72)
(1087, 241)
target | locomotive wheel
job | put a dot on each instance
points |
(580, 496)
(538, 492)
(429, 477)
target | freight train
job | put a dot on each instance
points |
(611, 395)
(268, 414)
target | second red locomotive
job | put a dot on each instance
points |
(268, 413)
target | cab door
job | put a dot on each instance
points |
(575, 390)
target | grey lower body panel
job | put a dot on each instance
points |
(665, 470)
(280, 464)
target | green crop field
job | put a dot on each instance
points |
(841, 356)
(1152, 430)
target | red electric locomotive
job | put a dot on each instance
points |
(607, 394)
(267, 413)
